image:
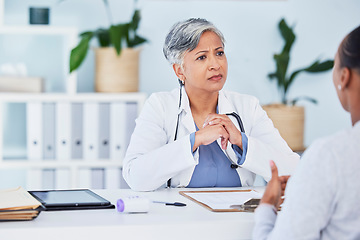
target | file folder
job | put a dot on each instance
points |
(84, 178)
(104, 130)
(112, 178)
(131, 115)
(76, 131)
(48, 179)
(48, 130)
(117, 130)
(34, 130)
(34, 179)
(91, 130)
(62, 178)
(63, 131)
(97, 178)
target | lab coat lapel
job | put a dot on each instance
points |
(186, 118)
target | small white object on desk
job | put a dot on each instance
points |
(133, 204)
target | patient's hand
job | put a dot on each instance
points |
(275, 188)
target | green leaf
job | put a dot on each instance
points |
(295, 100)
(282, 61)
(288, 34)
(272, 76)
(291, 79)
(117, 33)
(87, 33)
(78, 53)
(136, 41)
(313, 68)
(134, 24)
(103, 37)
(320, 67)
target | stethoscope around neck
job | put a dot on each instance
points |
(233, 114)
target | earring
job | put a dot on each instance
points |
(182, 82)
(339, 87)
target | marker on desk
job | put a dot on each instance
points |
(176, 204)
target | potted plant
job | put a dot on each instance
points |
(116, 59)
(287, 117)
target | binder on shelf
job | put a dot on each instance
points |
(117, 130)
(48, 178)
(123, 183)
(62, 178)
(112, 178)
(97, 178)
(48, 133)
(76, 130)
(34, 130)
(104, 130)
(131, 115)
(91, 131)
(63, 131)
(34, 179)
(84, 178)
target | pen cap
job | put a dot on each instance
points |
(133, 204)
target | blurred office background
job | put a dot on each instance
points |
(252, 37)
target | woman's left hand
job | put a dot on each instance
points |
(275, 188)
(222, 119)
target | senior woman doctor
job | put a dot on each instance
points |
(186, 135)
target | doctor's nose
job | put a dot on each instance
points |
(214, 64)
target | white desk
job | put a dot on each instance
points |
(161, 222)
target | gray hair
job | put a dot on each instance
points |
(185, 36)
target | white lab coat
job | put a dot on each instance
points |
(153, 156)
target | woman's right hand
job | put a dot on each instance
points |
(209, 134)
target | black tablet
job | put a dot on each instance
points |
(76, 199)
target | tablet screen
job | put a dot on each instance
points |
(83, 197)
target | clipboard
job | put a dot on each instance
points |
(194, 196)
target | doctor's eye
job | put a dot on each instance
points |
(202, 57)
(220, 53)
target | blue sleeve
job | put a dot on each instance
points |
(240, 153)
(192, 141)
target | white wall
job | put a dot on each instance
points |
(250, 29)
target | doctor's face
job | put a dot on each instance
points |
(205, 67)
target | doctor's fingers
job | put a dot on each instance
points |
(223, 134)
(222, 119)
(212, 116)
(211, 133)
(234, 133)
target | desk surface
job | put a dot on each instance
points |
(161, 222)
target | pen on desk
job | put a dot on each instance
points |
(177, 204)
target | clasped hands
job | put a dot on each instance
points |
(218, 126)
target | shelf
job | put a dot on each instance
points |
(73, 171)
(39, 30)
(58, 97)
(41, 164)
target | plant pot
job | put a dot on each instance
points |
(115, 73)
(289, 120)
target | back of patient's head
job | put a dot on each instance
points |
(185, 36)
(349, 51)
